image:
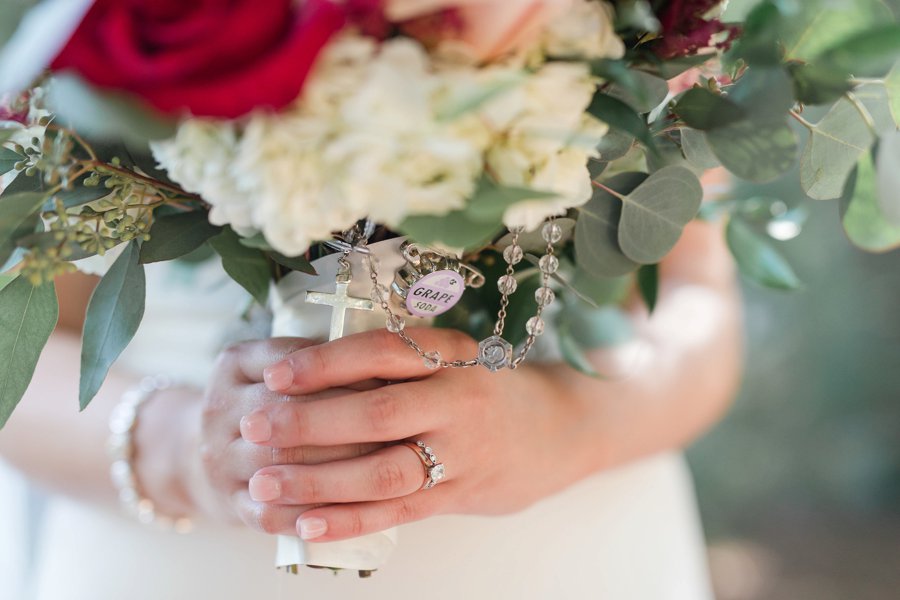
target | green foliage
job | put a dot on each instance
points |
(863, 220)
(648, 285)
(701, 108)
(755, 151)
(757, 260)
(28, 315)
(641, 91)
(294, 263)
(619, 115)
(18, 218)
(655, 213)
(113, 316)
(597, 229)
(8, 160)
(892, 88)
(870, 53)
(491, 200)
(817, 85)
(174, 236)
(249, 267)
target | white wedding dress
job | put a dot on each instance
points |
(628, 534)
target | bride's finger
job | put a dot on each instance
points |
(375, 354)
(389, 473)
(389, 413)
(267, 518)
(243, 459)
(342, 521)
(247, 360)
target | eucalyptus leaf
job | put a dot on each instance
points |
(80, 195)
(870, 53)
(18, 217)
(6, 279)
(701, 108)
(28, 316)
(113, 316)
(594, 328)
(835, 145)
(454, 229)
(764, 93)
(491, 200)
(863, 220)
(533, 241)
(619, 115)
(294, 263)
(757, 259)
(892, 88)
(597, 229)
(174, 236)
(641, 91)
(636, 14)
(248, 267)
(817, 85)
(648, 285)
(888, 177)
(819, 23)
(8, 160)
(755, 151)
(7, 132)
(697, 151)
(615, 144)
(655, 213)
(573, 354)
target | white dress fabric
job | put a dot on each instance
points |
(628, 534)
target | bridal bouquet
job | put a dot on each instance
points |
(550, 148)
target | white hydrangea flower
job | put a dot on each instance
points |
(586, 30)
(544, 140)
(364, 140)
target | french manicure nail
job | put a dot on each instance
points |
(312, 527)
(256, 428)
(265, 488)
(278, 377)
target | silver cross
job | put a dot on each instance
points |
(340, 300)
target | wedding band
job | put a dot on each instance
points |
(434, 471)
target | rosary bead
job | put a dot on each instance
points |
(513, 254)
(395, 323)
(544, 296)
(549, 264)
(552, 232)
(432, 360)
(378, 293)
(507, 284)
(535, 326)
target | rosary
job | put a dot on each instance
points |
(430, 284)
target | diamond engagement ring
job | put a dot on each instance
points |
(434, 471)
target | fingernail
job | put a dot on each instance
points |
(265, 488)
(256, 428)
(312, 527)
(278, 377)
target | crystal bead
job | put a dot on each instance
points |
(395, 324)
(535, 326)
(552, 232)
(544, 296)
(549, 264)
(507, 284)
(378, 292)
(513, 254)
(432, 360)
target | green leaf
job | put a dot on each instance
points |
(835, 145)
(697, 151)
(817, 85)
(7, 132)
(648, 284)
(106, 115)
(819, 23)
(655, 213)
(176, 235)
(888, 177)
(864, 222)
(247, 266)
(669, 69)
(8, 160)
(597, 230)
(6, 279)
(757, 260)
(765, 93)
(619, 115)
(641, 91)
(636, 14)
(28, 316)
(615, 144)
(294, 263)
(113, 316)
(80, 195)
(892, 88)
(755, 151)
(870, 53)
(701, 108)
(454, 229)
(491, 200)
(573, 354)
(18, 217)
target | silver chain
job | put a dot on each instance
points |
(488, 348)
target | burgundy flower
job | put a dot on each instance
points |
(219, 58)
(14, 108)
(685, 30)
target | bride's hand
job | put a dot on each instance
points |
(504, 437)
(207, 428)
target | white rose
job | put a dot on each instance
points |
(585, 31)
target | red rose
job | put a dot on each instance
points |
(216, 58)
